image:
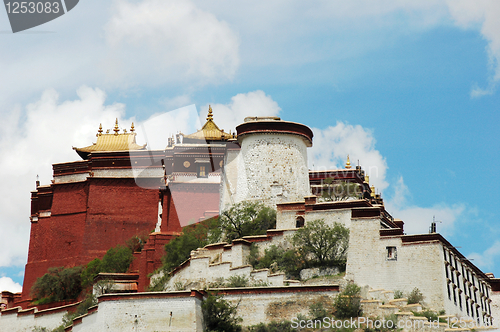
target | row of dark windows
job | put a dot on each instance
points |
(468, 286)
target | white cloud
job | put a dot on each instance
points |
(332, 145)
(7, 284)
(486, 260)
(156, 41)
(228, 116)
(482, 13)
(418, 219)
(34, 138)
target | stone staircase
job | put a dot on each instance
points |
(217, 263)
(381, 303)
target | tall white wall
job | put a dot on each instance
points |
(272, 168)
(145, 314)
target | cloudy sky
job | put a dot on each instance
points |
(408, 88)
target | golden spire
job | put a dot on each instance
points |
(99, 132)
(210, 115)
(132, 128)
(372, 188)
(348, 163)
(116, 130)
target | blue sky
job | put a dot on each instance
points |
(408, 88)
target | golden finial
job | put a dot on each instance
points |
(116, 130)
(99, 132)
(348, 163)
(124, 131)
(367, 178)
(372, 188)
(132, 128)
(107, 131)
(210, 115)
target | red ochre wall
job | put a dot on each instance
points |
(87, 219)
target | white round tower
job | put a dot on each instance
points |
(272, 166)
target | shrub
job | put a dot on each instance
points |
(137, 242)
(429, 314)
(318, 311)
(391, 324)
(58, 284)
(415, 296)
(193, 237)
(398, 294)
(237, 281)
(116, 260)
(283, 326)
(288, 261)
(348, 303)
(219, 314)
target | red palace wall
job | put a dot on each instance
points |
(87, 218)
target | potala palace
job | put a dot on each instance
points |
(119, 188)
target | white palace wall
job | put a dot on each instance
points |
(415, 265)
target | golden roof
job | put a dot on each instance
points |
(210, 131)
(112, 142)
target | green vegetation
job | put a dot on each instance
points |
(220, 315)
(348, 303)
(398, 294)
(116, 260)
(315, 245)
(284, 326)
(318, 311)
(245, 219)
(322, 245)
(58, 284)
(192, 237)
(136, 243)
(390, 324)
(276, 259)
(415, 296)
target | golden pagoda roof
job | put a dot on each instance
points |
(210, 131)
(112, 142)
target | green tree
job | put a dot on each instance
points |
(220, 315)
(277, 257)
(348, 303)
(322, 245)
(245, 219)
(58, 284)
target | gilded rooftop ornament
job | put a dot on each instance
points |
(210, 131)
(348, 163)
(116, 130)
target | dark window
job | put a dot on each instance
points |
(299, 222)
(392, 253)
